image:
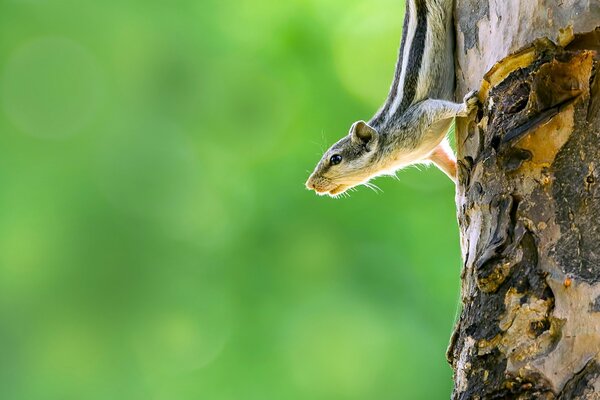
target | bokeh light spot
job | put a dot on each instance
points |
(51, 87)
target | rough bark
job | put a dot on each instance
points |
(529, 201)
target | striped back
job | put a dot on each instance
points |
(425, 66)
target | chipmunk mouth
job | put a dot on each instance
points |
(338, 190)
(333, 192)
(325, 187)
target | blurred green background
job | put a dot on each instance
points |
(156, 239)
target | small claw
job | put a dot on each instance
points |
(471, 101)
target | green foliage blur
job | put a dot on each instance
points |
(157, 241)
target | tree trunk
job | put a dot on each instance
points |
(529, 201)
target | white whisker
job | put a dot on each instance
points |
(319, 145)
(370, 186)
(323, 139)
(375, 188)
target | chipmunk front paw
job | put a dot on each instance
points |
(471, 101)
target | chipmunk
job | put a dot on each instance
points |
(411, 125)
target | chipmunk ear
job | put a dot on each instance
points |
(363, 134)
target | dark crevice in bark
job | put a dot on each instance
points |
(581, 385)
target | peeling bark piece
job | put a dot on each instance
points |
(534, 94)
(500, 71)
(558, 82)
(586, 41)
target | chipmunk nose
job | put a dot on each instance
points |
(310, 185)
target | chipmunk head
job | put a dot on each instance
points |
(347, 163)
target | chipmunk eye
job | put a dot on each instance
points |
(335, 159)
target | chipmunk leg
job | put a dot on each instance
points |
(435, 110)
(443, 157)
(434, 117)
